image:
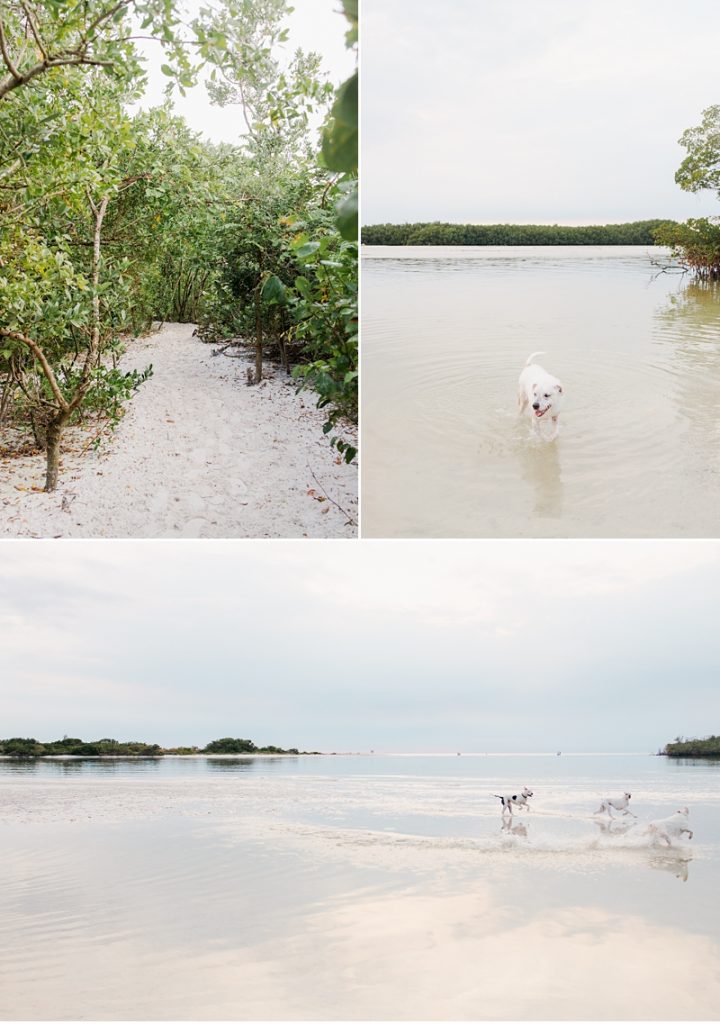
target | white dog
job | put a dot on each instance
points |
(541, 395)
(518, 799)
(674, 826)
(618, 803)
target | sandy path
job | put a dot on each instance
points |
(199, 454)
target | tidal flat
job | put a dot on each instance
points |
(356, 887)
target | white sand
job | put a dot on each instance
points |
(198, 454)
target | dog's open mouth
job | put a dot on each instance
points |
(541, 412)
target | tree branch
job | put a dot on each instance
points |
(34, 30)
(14, 73)
(15, 81)
(6, 172)
(107, 13)
(42, 359)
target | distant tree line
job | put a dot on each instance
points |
(709, 747)
(25, 747)
(641, 232)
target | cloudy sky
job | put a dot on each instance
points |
(512, 646)
(533, 111)
(314, 25)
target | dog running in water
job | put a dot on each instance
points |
(540, 394)
(671, 828)
(618, 803)
(517, 800)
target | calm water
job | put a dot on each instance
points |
(446, 332)
(355, 888)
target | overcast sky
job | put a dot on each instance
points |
(410, 646)
(314, 25)
(533, 111)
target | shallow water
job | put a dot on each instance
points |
(446, 331)
(355, 888)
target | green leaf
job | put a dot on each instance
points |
(340, 137)
(347, 216)
(273, 290)
(307, 249)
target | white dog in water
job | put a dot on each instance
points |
(518, 799)
(674, 826)
(618, 803)
(541, 395)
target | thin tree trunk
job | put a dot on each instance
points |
(56, 425)
(55, 430)
(6, 396)
(258, 337)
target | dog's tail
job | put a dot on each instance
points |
(532, 357)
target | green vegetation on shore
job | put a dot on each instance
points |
(697, 242)
(28, 747)
(709, 747)
(641, 232)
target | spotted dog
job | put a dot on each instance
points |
(517, 800)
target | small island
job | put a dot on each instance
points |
(708, 747)
(28, 747)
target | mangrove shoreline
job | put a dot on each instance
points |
(640, 232)
(708, 747)
(29, 747)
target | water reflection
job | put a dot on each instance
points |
(69, 765)
(515, 828)
(688, 328)
(167, 765)
(676, 862)
(227, 763)
(614, 828)
(278, 934)
(540, 467)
